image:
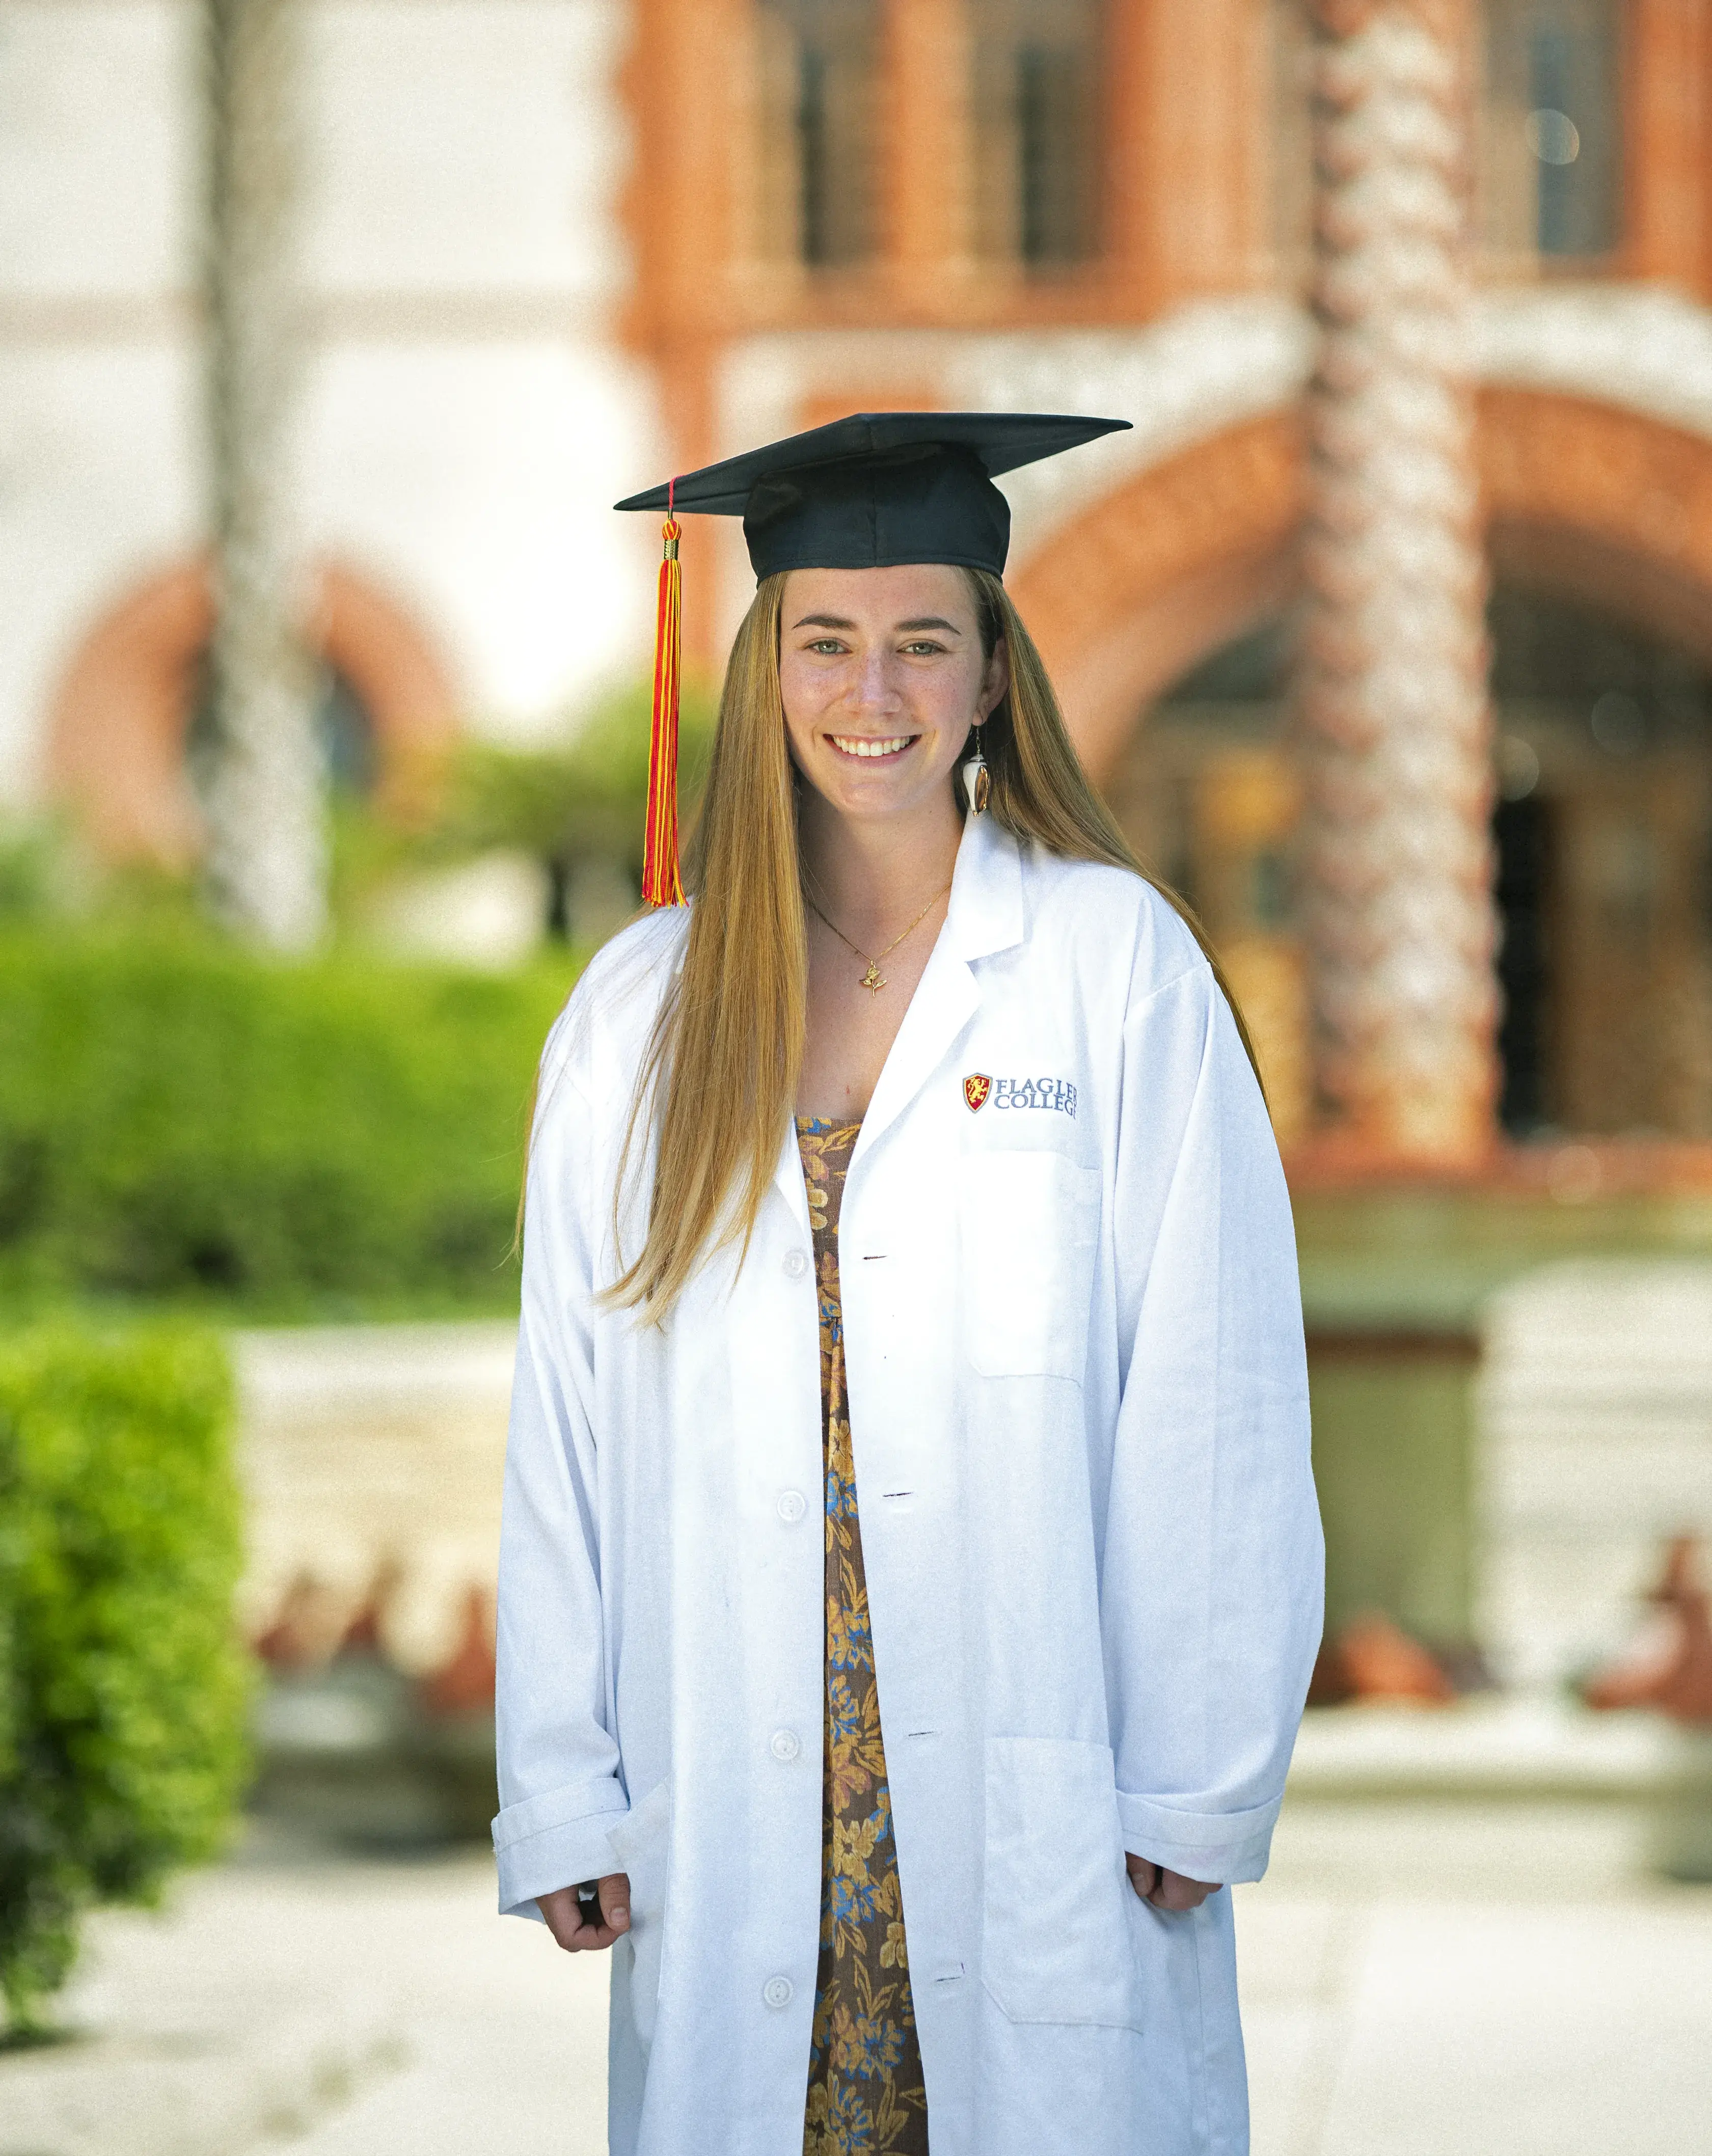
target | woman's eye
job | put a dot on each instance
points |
(924, 649)
(827, 645)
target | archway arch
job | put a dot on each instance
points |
(1175, 563)
(1599, 536)
(119, 724)
(1583, 500)
(1608, 507)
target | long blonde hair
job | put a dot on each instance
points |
(717, 1088)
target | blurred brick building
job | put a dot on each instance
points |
(555, 247)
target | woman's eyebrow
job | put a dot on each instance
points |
(902, 627)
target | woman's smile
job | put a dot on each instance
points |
(870, 748)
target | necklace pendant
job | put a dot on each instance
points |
(873, 980)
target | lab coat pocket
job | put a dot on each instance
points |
(642, 1844)
(1056, 1941)
(1030, 1221)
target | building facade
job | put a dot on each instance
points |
(554, 249)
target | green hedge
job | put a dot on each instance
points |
(123, 1687)
(179, 1118)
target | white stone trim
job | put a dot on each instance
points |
(1195, 372)
(1642, 348)
(1210, 365)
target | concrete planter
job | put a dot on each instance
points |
(1679, 1838)
(1512, 1392)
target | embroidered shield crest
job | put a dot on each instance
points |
(976, 1089)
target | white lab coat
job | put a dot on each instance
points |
(1079, 1414)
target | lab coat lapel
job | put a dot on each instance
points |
(986, 915)
(788, 1180)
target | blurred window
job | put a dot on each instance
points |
(818, 64)
(1037, 130)
(343, 726)
(1290, 144)
(347, 736)
(1551, 128)
(1551, 132)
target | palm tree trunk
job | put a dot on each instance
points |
(1392, 688)
(266, 859)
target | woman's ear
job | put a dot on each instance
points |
(996, 680)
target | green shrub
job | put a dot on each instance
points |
(581, 798)
(181, 1118)
(123, 1687)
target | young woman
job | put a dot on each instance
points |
(911, 1570)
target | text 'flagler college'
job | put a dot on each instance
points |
(1057, 1093)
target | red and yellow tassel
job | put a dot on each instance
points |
(661, 884)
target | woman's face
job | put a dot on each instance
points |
(883, 676)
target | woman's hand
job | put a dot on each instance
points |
(565, 1921)
(1163, 1889)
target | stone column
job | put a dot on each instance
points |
(1185, 186)
(924, 174)
(1392, 688)
(266, 843)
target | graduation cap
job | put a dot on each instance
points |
(879, 490)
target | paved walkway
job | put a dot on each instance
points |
(284, 2000)
(1426, 1978)
(1465, 1979)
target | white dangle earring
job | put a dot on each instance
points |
(977, 779)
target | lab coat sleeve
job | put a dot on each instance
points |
(1212, 1578)
(560, 1786)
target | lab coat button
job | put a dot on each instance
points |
(777, 1991)
(786, 1745)
(796, 1264)
(792, 1504)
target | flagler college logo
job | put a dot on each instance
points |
(1056, 1094)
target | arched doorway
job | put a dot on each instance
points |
(124, 733)
(1163, 571)
(1164, 612)
(1603, 838)
(1602, 844)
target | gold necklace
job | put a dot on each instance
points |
(874, 980)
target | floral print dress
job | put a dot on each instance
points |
(866, 2089)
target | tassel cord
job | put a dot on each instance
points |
(662, 883)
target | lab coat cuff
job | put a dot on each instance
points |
(1224, 1848)
(558, 1838)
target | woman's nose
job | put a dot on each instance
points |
(876, 685)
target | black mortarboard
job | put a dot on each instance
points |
(878, 490)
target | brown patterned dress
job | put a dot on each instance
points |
(866, 2089)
